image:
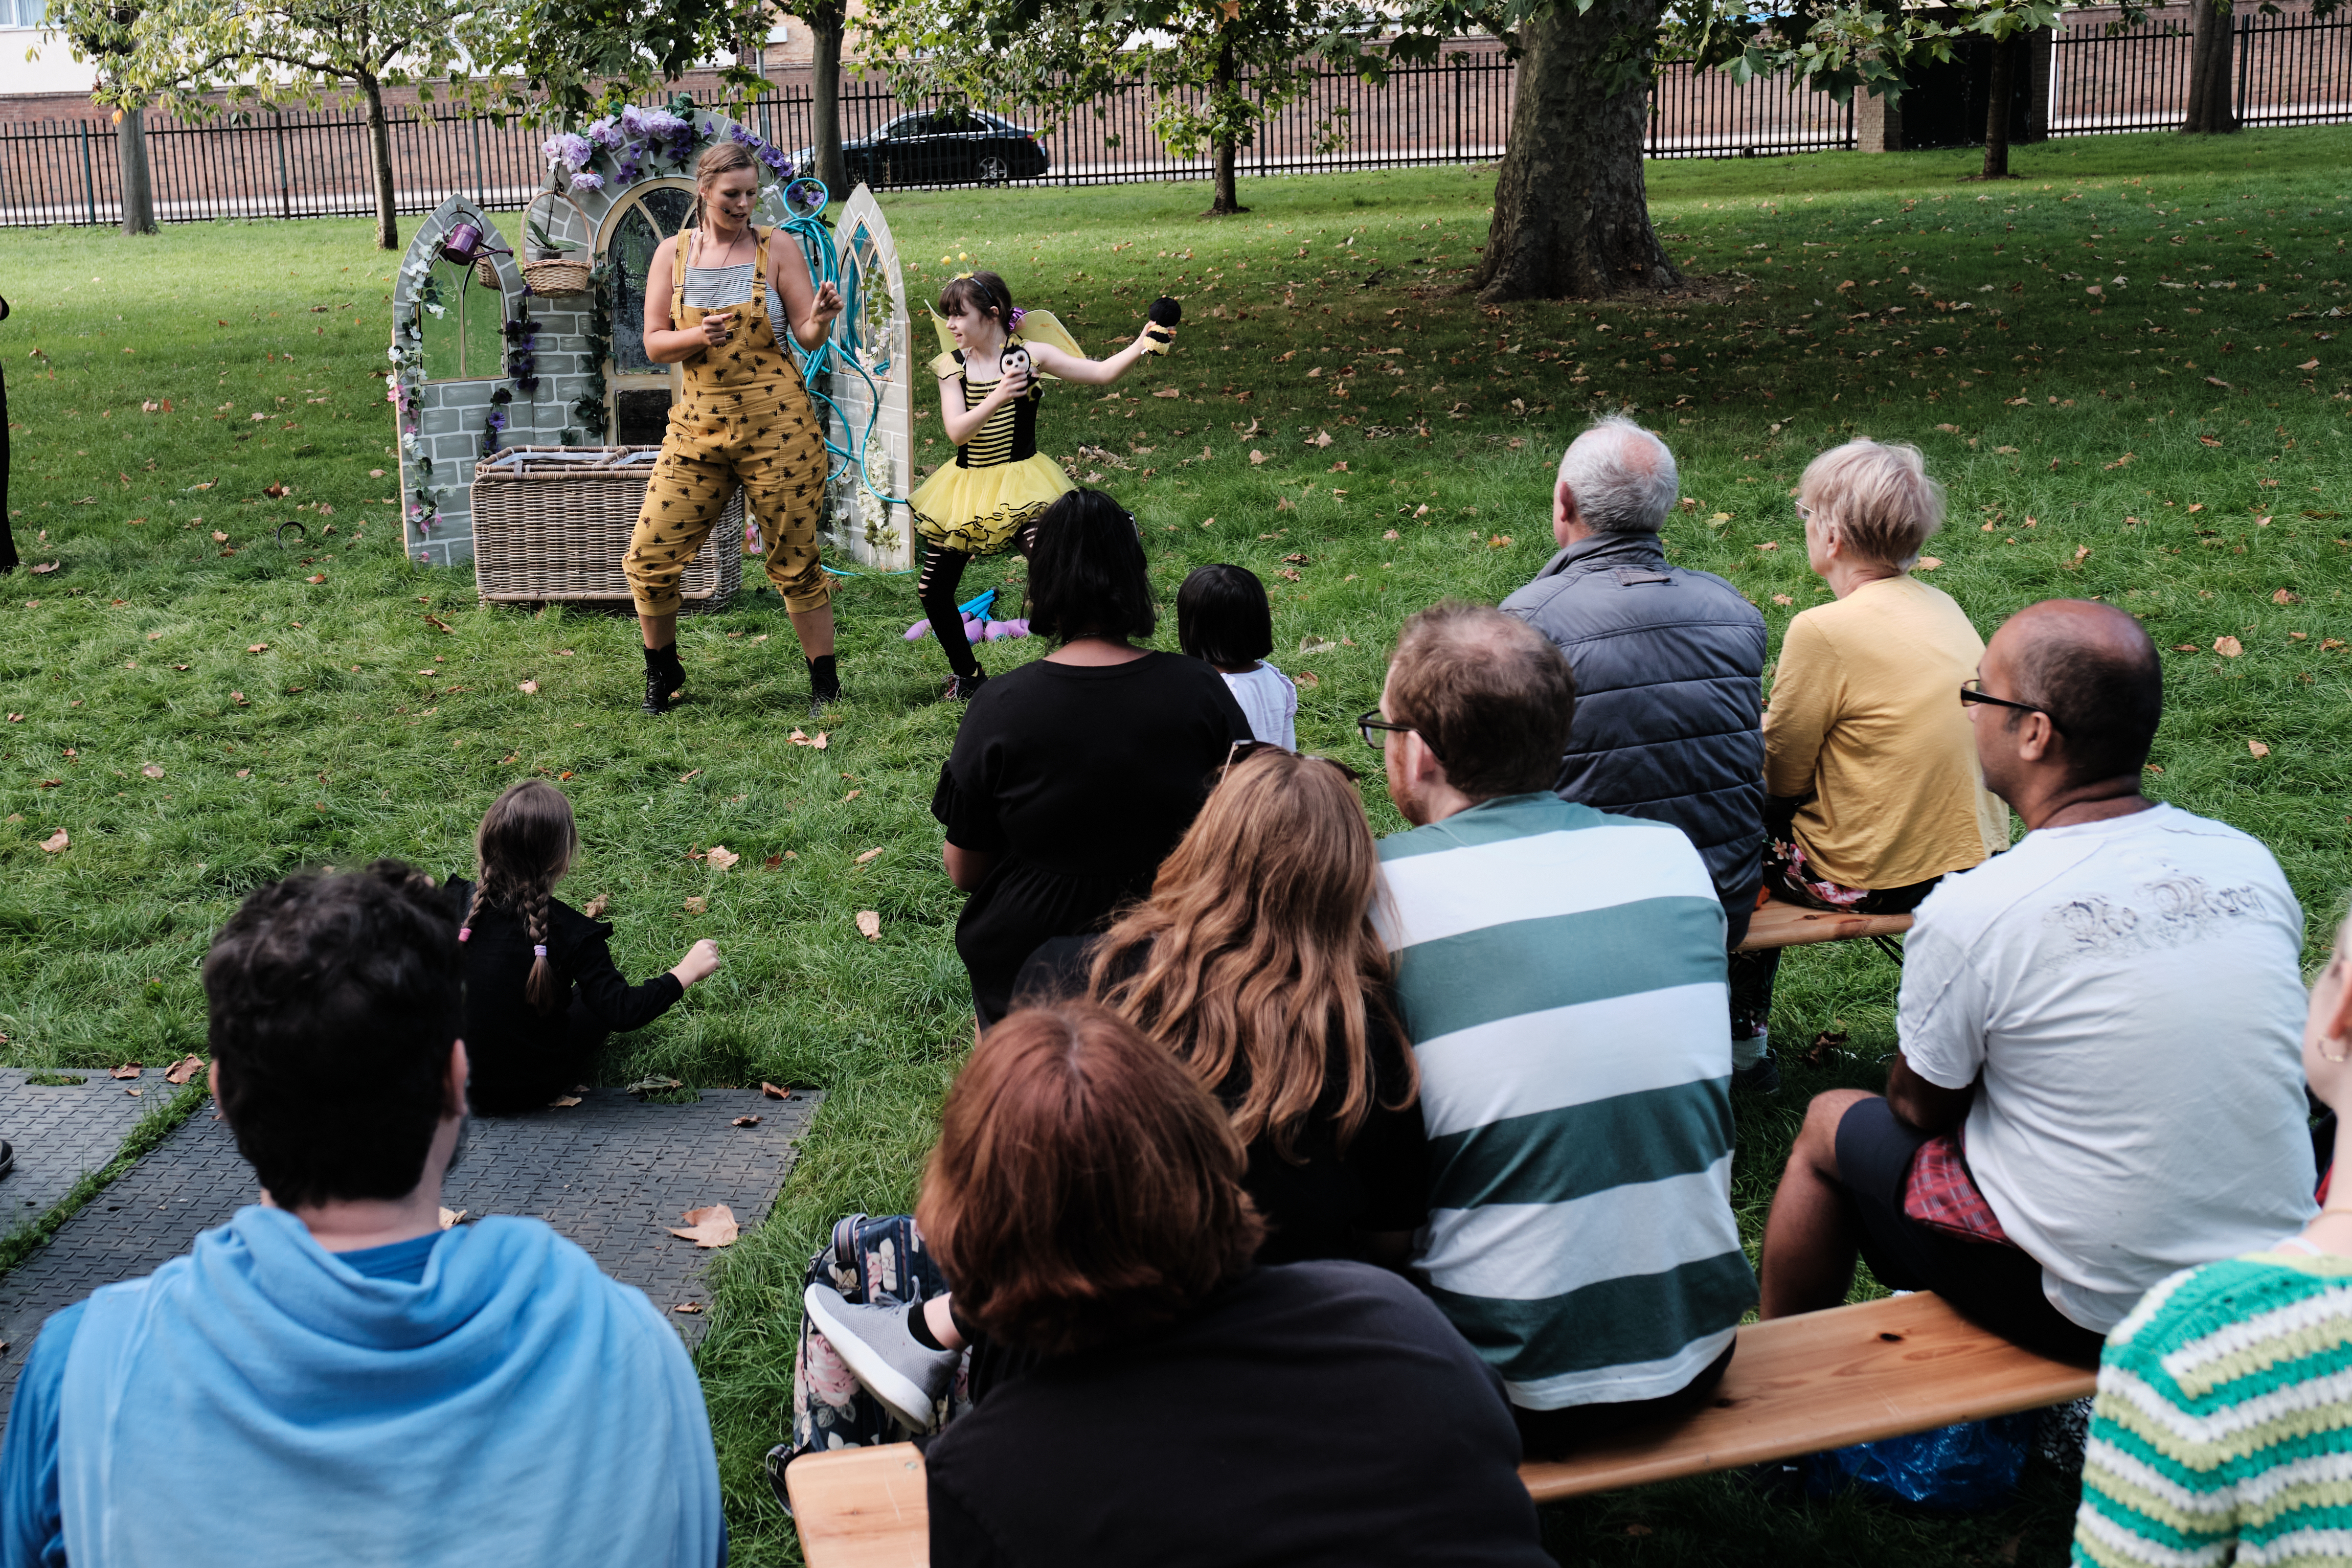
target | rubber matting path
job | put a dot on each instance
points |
(610, 1173)
(60, 1131)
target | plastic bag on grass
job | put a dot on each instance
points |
(1957, 1468)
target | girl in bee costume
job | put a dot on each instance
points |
(991, 496)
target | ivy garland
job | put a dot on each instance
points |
(588, 408)
(404, 389)
(522, 335)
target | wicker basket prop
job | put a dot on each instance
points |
(553, 275)
(552, 524)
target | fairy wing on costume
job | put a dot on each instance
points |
(1037, 327)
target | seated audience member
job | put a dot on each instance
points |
(1224, 620)
(1185, 1407)
(1560, 975)
(1667, 663)
(541, 991)
(2223, 1425)
(1072, 776)
(2098, 1082)
(1873, 784)
(1255, 963)
(334, 1376)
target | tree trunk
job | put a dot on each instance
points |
(1571, 213)
(826, 25)
(1997, 107)
(138, 188)
(2212, 61)
(387, 222)
(1226, 201)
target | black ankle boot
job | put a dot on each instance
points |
(664, 676)
(824, 683)
(962, 688)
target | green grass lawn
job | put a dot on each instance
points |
(199, 713)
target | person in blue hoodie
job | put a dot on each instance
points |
(337, 1377)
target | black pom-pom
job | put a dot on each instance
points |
(1166, 312)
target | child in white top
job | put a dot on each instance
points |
(1222, 619)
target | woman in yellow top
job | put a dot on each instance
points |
(714, 302)
(1872, 784)
(990, 497)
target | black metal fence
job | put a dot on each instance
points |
(2290, 69)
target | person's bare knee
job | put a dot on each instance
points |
(1816, 1143)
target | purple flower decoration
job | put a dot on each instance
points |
(773, 157)
(604, 134)
(587, 180)
(654, 122)
(568, 146)
(633, 121)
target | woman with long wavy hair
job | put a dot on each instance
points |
(1254, 961)
(1255, 964)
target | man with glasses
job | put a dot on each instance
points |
(2100, 1080)
(1560, 974)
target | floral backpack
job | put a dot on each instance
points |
(872, 1260)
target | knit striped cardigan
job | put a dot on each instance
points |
(2222, 1429)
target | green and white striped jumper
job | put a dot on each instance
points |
(1561, 972)
(2222, 1431)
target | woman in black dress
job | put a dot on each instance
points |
(1072, 777)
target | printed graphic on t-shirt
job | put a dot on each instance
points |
(2171, 913)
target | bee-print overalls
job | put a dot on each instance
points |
(747, 420)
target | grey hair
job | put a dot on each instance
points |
(1622, 476)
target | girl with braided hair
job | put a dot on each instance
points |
(541, 991)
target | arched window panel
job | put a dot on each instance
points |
(635, 230)
(464, 341)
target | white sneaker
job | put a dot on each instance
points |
(907, 1376)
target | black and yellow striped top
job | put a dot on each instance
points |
(1010, 433)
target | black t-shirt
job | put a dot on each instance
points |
(1322, 1206)
(516, 1049)
(1080, 778)
(1314, 1414)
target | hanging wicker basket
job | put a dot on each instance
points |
(556, 276)
(486, 272)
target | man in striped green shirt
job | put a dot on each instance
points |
(1560, 973)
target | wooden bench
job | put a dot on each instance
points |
(1778, 924)
(1822, 1380)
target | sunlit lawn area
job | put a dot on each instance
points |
(2123, 365)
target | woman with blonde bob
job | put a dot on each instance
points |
(1185, 1407)
(1872, 784)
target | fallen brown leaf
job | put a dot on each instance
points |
(151, 771)
(653, 1086)
(691, 1309)
(56, 842)
(1308, 679)
(1783, 599)
(2187, 648)
(597, 905)
(721, 857)
(745, 1121)
(2258, 749)
(128, 1070)
(711, 1226)
(688, 778)
(529, 688)
(696, 905)
(257, 647)
(1929, 563)
(2228, 647)
(450, 1216)
(2308, 365)
(869, 924)
(869, 854)
(799, 738)
(564, 1102)
(773, 862)
(2284, 597)
(770, 1090)
(134, 1093)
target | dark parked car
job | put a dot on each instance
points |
(939, 147)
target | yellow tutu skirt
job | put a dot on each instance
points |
(979, 510)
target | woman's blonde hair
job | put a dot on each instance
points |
(724, 158)
(1878, 497)
(1256, 948)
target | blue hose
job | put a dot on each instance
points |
(802, 222)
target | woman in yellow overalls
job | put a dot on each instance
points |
(712, 303)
